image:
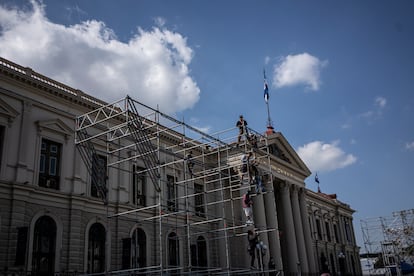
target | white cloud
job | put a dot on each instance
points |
(267, 60)
(319, 156)
(380, 102)
(409, 145)
(160, 21)
(152, 67)
(376, 112)
(298, 69)
(195, 122)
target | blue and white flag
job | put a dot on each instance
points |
(316, 178)
(266, 92)
(266, 88)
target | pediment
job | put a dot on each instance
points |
(7, 111)
(55, 125)
(281, 149)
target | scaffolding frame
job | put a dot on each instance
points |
(127, 131)
(392, 236)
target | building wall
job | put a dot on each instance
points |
(34, 108)
(334, 242)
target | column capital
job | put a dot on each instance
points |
(284, 186)
(295, 189)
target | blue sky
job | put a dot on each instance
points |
(340, 75)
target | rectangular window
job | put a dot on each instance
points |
(318, 228)
(347, 231)
(42, 163)
(328, 232)
(49, 171)
(99, 175)
(52, 166)
(171, 194)
(199, 200)
(138, 185)
(336, 233)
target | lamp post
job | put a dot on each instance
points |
(341, 257)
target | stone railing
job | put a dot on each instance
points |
(29, 74)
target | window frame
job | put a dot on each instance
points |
(172, 202)
(93, 190)
(139, 180)
(96, 236)
(46, 178)
(199, 206)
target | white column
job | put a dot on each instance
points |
(312, 262)
(289, 232)
(297, 216)
(260, 223)
(273, 236)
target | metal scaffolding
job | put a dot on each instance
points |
(392, 237)
(196, 180)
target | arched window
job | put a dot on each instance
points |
(96, 249)
(202, 251)
(332, 263)
(44, 246)
(139, 249)
(173, 250)
(324, 263)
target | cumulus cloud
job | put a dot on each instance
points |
(320, 156)
(152, 67)
(409, 146)
(298, 69)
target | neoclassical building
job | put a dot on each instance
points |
(93, 187)
(333, 233)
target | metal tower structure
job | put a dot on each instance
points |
(392, 236)
(195, 178)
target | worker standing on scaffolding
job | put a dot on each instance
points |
(246, 160)
(242, 125)
(190, 162)
(252, 238)
(257, 179)
(247, 203)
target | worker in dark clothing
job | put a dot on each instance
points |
(242, 125)
(253, 240)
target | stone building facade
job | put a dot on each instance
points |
(333, 233)
(177, 214)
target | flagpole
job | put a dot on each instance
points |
(270, 128)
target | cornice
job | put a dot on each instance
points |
(29, 78)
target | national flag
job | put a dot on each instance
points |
(266, 92)
(316, 178)
(266, 88)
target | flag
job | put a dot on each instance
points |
(266, 92)
(266, 88)
(316, 178)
